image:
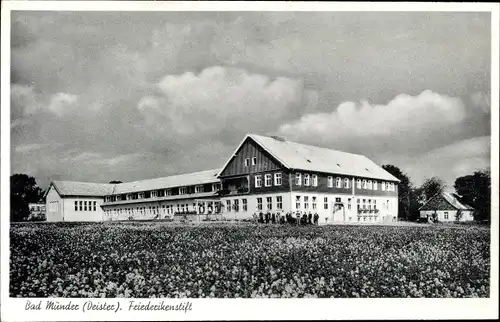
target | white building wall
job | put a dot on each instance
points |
(447, 215)
(252, 205)
(70, 214)
(53, 206)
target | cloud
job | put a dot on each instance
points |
(61, 103)
(424, 112)
(222, 98)
(25, 148)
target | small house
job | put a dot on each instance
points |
(446, 207)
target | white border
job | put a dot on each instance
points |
(294, 309)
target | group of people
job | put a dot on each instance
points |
(292, 218)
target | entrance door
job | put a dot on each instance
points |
(338, 212)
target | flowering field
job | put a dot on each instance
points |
(158, 260)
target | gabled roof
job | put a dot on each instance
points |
(445, 201)
(187, 179)
(317, 159)
(84, 189)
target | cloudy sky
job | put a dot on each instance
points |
(100, 96)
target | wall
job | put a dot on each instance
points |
(71, 215)
(467, 215)
(53, 197)
(252, 205)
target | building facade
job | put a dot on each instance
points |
(264, 174)
(270, 174)
(444, 207)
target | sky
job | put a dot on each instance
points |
(101, 96)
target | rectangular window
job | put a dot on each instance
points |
(306, 202)
(183, 190)
(259, 203)
(383, 185)
(346, 183)
(247, 162)
(314, 180)
(95, 205)
(375, 187)
(168, 192)
(338, 182)
(364, 184)
(445, 215)
(313, 202)
(306, 180)
(258, 181)
(153, 194)
(298, 179)
(236, 205)
(216, 187)
(268, 180)
(393, 186)
(278, 179)
(349, 204)
(147, 194)
(76, 205)
(325, 201)
(245, 205)
(160, 193)
(85, 206)
(81, 205)
(228, 205)
(254, 161)
(269, 203)
(369, 185)
(279, 203)
(198, 189)
(338, 200)
(358, 183)
(297, 202)
(330, 182)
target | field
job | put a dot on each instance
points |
(247, 260)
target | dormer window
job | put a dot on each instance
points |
(314, 180)
(338, 182)
(330, 182)
(346, 183)
(358, 183)
(198, 189)
(254, 161)
(298, 179)
(306, 180)
(375, 185)
(364, 184)
(369, 184)
(216, 187)
(183, 190)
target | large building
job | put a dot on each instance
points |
(264, 174)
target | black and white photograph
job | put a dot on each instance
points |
(161, 158)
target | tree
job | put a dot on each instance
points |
(404, 190)
(115, 181)
(431, 187)
(23, 190)
(475, 191)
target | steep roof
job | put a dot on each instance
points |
(300, 156)
(445, 201)
(84, 189)
(187, 179)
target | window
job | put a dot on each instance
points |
(245, 205)
(183, 190)
(140, 195)
(80, 205)
(258, 181)
(147, 194)
(338, 199)
(374, 204)
(153, 194)
(364, 184)
(268, 180)
(338, 182)
(228, 205)
(313, 202)
(76, 205)
(349, 204)
(297, 202)
(269, 203)
(393, 186)
(216, 187)
(325, 201)
(330, 182)
(279, 202)
(364, 203)
(314, 180)
(259, 203)
(54, 206)
(346, 183)
(254, 161)
(306, 180)
(383, 185)
(160, 193)
(358, 183)
(277, 179)
(198, 189)
(247, 162)
(445, 215)
(306, 202)
(375, 185)
(369, 185)
(168, 192)
(298, 179)
(369, 204)
(95, 205)
(85, 206)
(236, 205)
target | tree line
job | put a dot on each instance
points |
(474, 189)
